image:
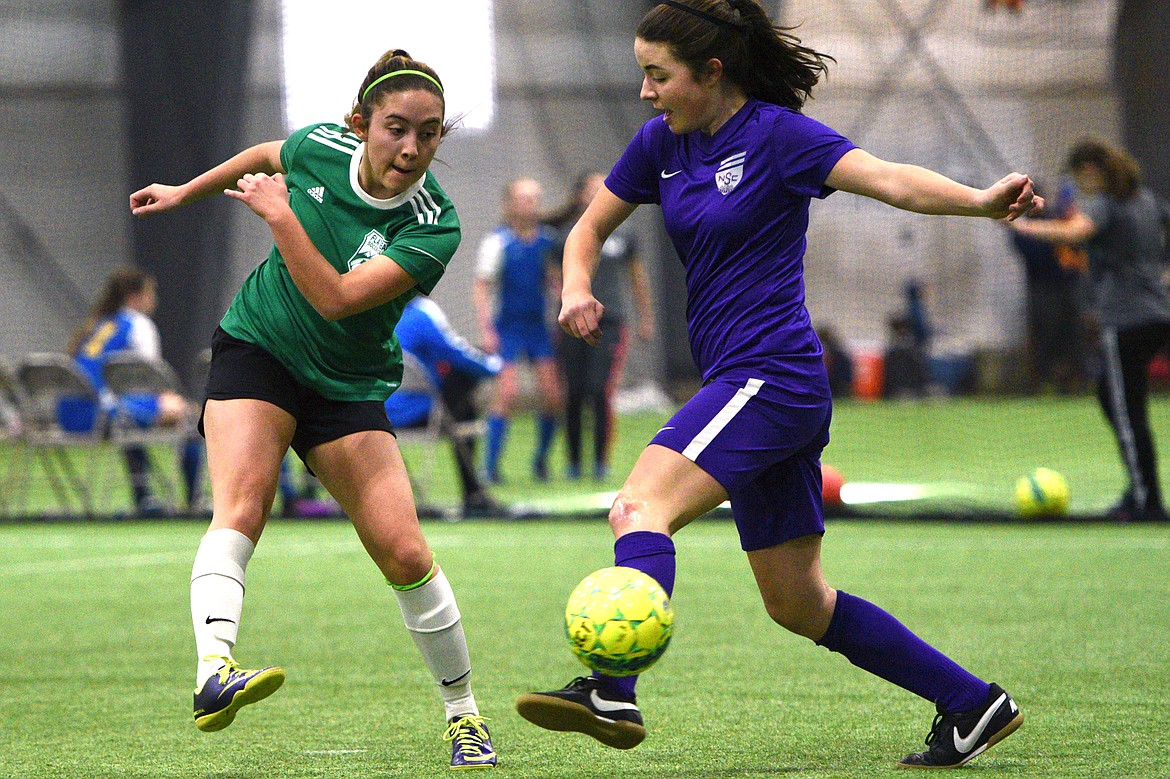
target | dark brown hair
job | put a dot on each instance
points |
(391, 62)
(766, 61)
(120, 285)
(1121, 172)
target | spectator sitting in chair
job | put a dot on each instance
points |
(455, 368)
(120, 322)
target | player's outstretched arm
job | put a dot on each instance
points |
(1074, 229)
(580, 314)
(913, 188)
(262, 158)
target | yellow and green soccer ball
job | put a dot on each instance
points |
(1042, 493)
(618, 621)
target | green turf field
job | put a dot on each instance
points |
(97, 658)
(96, 653)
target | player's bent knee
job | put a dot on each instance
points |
(799, 617)
(172, 409)
(624, 514)
(628, 514)
(405, 565)
(246, 515)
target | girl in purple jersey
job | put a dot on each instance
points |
(734, 165)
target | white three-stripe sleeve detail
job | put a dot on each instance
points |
(331, 144)
(414, 207)
(721, 420)
(427, 212)
(434, 208)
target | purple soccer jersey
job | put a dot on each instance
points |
(736, 208)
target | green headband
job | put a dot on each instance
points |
(378, 81)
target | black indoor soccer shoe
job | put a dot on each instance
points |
(955, 739)
(584, 706)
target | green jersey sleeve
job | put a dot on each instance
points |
(288, 150)
(423, 250)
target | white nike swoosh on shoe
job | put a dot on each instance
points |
(965, 745)
(666, 175)
(602, 704)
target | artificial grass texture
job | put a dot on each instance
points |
(97, 659)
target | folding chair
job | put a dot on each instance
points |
(440, 424)
(416, 379)
(45, 379)
(127, 374)
(12, 447)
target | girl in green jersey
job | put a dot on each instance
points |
(306, 356)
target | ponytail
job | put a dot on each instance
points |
(120, 285)
(766, 61)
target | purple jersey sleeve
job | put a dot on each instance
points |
(806, 151)
(634, 177)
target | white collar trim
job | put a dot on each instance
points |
(394, 202)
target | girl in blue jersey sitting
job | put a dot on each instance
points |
(734, 165)
(455, 368)
(120, 322)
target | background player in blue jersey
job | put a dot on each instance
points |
(512, 286)
(120, 322)
(1124, 225)
(734, 165)
(456, 369)
(592, 375)
(305, 357)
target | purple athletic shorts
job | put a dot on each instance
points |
(764, 448)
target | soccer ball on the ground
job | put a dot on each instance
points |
(1042, 493)
(618, 621)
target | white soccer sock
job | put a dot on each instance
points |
(217, 596)
(432, 617)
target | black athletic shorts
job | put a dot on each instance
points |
(243, 370)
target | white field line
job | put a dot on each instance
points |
(444, 538)
(140, 560)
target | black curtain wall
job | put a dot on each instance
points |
(1142, 72)
(184, 74)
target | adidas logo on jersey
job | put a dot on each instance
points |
(317, 193)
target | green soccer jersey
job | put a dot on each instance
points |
(357, 357)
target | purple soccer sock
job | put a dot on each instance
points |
(652, 554)
(874, 640)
